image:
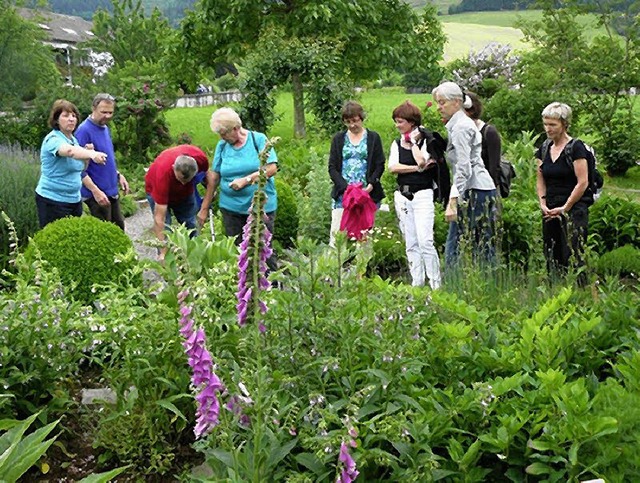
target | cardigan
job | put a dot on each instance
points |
(375, 165)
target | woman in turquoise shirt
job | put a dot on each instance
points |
(236, 170)
(63, 160)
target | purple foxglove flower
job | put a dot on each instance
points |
(349, 472)
(204, 380)
(255, 249)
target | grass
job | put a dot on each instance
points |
(627, 185)
(378, 103)
(463, 38)
(473, 30)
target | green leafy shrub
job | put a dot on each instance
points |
(314, 207)
(128, 205)
(520, 230)
(140, 130)
(28, 127)
(388, 258)
(85, 251)
(614, 222)
(617, 149)
(286, 226)
(622, 261)
(19, 171)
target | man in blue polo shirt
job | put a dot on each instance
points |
(100, 181)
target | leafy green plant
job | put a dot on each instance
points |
(20, 452)
(617, 150)
(614, 222)
(314, 206)
(85, 251)
(286, 225)
(623, 261)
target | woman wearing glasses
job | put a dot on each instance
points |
(356, 156)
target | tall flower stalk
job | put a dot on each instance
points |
(204, 380)
(255, 250)
(349, 472)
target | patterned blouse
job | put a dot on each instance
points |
(354, 163)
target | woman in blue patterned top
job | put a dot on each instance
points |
(63, 160)
(356, 156)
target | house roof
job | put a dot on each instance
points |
(62, 30)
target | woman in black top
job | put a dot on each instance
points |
(356, 156)
(561, 186)
(491, 142)
(416, 170)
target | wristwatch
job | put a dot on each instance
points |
(249, 180)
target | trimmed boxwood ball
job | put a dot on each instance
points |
(84, 251)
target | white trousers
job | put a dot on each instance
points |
(336, 218)
(416, 219)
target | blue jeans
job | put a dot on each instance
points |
(476, 221)
(185, 212)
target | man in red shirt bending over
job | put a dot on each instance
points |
(169, 188)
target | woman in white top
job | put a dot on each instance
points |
(416, 170)
(471, 210)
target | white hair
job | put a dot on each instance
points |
(224, 120)
(452, 91)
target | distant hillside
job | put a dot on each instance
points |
(172, 9)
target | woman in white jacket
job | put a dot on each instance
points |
(471, 210)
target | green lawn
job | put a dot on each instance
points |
(471, 31)
(378, 103)
(463, 38)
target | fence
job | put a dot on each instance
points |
(208, 99)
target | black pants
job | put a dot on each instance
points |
(50, 210)
(111, 213)
(234, 223)
(565, 238)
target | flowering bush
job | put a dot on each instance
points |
(485, 71)
(139, 129)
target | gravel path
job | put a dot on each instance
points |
(138, 227)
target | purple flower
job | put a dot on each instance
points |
(255, 250)
(205, 381)
(349, 472)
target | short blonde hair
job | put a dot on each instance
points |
(224, 120)
(558, 110)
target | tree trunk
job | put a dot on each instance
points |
(299, 124)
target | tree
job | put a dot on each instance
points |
(27, 65)
(356, 40)
(128, 35)
(595, 76)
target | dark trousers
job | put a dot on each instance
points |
(50, 210)
(476, 221)
(111, 213)
(564, 240)
(234, 223)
